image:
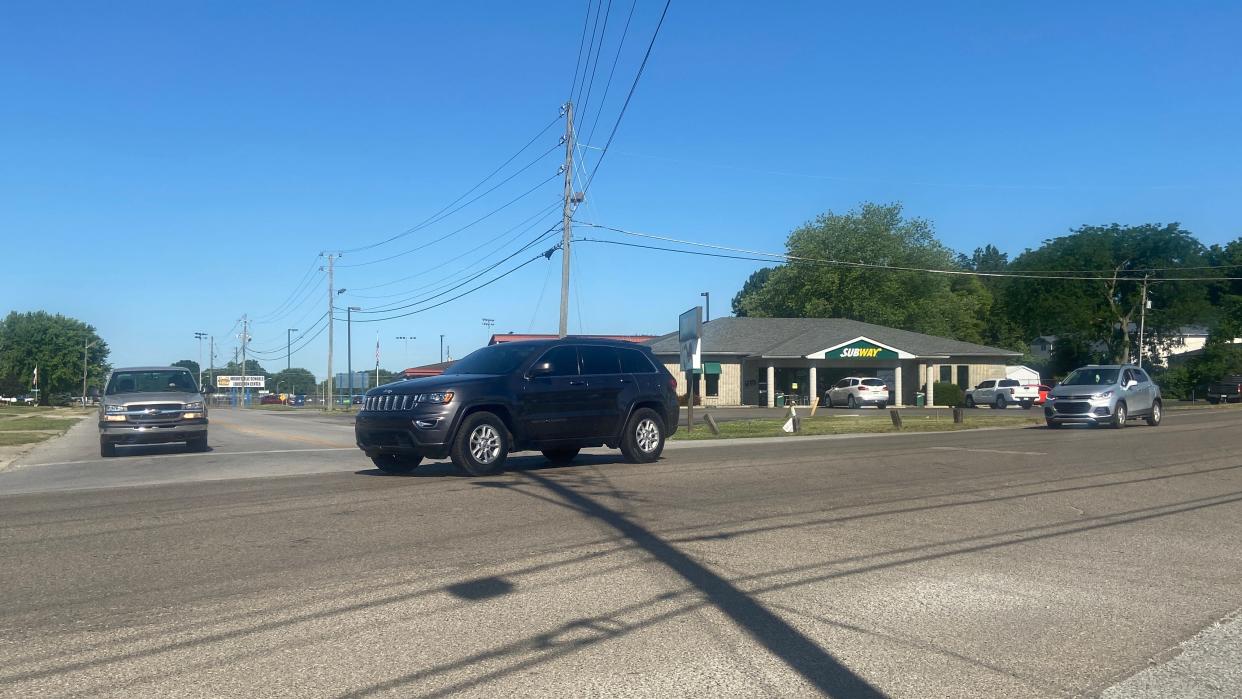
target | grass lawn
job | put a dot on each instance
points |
(13, 439)
(854, 425)
(36, 421)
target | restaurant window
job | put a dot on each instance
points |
(946, 373)
(713, 385)
(963, 376)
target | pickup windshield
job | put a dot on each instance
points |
(150, 382)
(1091, 377)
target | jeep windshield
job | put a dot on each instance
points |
(497, 359)
(1091, 377)
(172, 381)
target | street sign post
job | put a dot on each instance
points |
(689, 339)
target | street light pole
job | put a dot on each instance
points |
(441, 349)
(288, 351)
(199, 337)
(349, 349)
(86, 346)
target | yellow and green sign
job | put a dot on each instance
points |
(861, 350)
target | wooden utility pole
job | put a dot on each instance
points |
(1142, 320)
(330, 397)
(566, 215)
(245, 337)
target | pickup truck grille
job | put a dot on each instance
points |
(388, 403)
(148, 413)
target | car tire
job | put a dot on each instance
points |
(1026, 404)
(1157, 414)
(1000, 403)
(106, 449)
(481, 445)
(1052, 424)
(828, 400)
(643, 439)
(396, 463)
(881, 405)
(1120, 415)
(851, 403)
(197, 444)
(561, 457)
(970, 402)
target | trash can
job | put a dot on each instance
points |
(780, 400)
(920, 400)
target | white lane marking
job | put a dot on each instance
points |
(991, 451)
(188, 455)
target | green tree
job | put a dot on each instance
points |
(752, 284)
(295, 380)
(188, 364)
(54, 343)
(877, 235)
(1105, 312)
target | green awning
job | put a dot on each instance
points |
(709, 368)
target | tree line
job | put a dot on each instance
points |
(877, 265)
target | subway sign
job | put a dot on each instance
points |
(861, 350)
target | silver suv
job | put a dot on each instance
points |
(152, 405)
(1107, 394)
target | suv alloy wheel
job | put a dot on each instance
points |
(644, 437)
(482, 444)
(1157, 413)
(1120, 416)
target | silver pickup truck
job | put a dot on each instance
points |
(152, 405)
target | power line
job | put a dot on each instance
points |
(433, 218)
(459, 230)
(759, 256)
(599, 49)
(608, 85)
(296, 290)
(590, 50)
(532, 220)
(630, 95)
(573, 87)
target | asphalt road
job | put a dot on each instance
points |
(996, 563)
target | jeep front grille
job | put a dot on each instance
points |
(388, 403)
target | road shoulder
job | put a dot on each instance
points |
(1208, 666)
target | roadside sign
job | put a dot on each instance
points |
(241, 381)
(689, 338)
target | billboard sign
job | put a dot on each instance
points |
(259, 381)
(689, 338)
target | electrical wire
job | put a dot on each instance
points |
(546, 254)
(599, 49)
(280, 351)
(590, 50)
(433, 218)
(397, 306)
(608, 85)
(459, 230)
(573, 87)
(296, 290)
(531, 220)
(630, 95)
(778, 257)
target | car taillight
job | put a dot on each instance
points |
(863, 388)
(672, 383)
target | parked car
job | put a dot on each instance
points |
(1104, 395)
(151, 405)
(1001, 393)
(555, 396)
(855, 392)
(271, 399)
(1227, 390)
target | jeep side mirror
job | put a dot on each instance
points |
(541, 369)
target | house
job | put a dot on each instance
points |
(749, 361)
(426, 370)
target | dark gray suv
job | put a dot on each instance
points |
(554, 396)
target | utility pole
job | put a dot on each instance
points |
(407, 339)
(245, 338)
(1142, 321)
(489, 323)
(86, 345)
(328, 394)
(199, 337)
(288, 345)
(211, 359)
(349, 350)
(441, 349)
(566, 214)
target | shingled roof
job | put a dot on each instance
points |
(799, 337)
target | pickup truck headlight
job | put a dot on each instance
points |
(196, 405)
(439, 398)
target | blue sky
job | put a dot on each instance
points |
(167, 167)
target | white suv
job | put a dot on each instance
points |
(855, 392)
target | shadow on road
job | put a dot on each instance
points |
(132, 450)
(515, 464)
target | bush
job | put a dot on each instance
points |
(948, 394)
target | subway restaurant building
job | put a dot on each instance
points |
(758, 361)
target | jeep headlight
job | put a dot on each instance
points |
(439, 398)
(196, 405)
